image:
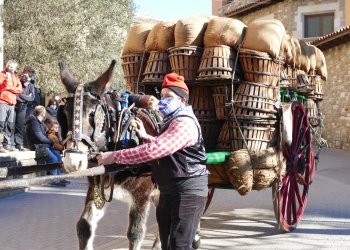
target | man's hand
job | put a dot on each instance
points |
(140, 129)
(106, 158)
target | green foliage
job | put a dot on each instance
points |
(84, 34)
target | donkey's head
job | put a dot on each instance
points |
(86, 118)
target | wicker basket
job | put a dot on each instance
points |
(255, 101)
(221, 94)
(158, 65)
(133, 67)
(257, 136)
(142, 88)
(217, 63)
(202, 102)
(312, 112)
(210, 131)
(185, 61)
(316, 84)
(260, 67)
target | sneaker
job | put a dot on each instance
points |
(3, 150)
(57, 184)
(21, 148)
(11, 148)
(65, 181)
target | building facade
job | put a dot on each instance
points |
(324, 23)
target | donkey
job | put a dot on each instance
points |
(89, 131)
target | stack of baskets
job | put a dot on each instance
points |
(235, 84)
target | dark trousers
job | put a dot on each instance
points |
(178, 217)
(19, 137)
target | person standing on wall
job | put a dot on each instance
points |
(27, 95)
(10, 86)
(181, 176)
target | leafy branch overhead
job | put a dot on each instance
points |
(84, 34)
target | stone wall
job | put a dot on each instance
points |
(291, 13)
(336, 103)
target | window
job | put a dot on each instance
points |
(318, 25)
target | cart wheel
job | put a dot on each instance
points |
(290, 196)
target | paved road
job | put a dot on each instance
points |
(44, 218)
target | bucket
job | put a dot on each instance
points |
(158, 65)
(133, 66)
(217, 63)
(259, 66)
(185, 61)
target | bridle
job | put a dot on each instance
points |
(77, 134)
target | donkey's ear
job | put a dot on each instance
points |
(69, 81)
(105, 78)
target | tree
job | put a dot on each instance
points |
(84, 34)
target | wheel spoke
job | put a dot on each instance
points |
(298, 195)
(289, 202)
(294, 210)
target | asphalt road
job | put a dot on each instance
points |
(45, 218)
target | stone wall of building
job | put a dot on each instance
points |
(291, 13)
(336, 103)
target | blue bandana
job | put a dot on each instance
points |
(168, 105)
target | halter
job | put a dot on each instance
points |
(76, 134)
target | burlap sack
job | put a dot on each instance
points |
(136, 38)
(265, 159)
(263, 178)
(288, 50)
(297, 50)
(190, 31)
(239, 171)
(161, 37)
(266, 164)
(312, 57)
(265, 36)
(304, 56)
(321, 67)
(223, 31)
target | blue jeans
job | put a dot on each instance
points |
(54, 157)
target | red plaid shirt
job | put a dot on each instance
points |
(181, 133)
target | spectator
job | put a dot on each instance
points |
(10, 86)
(52, 134)
(37, 98)
(37, 138)
(52, 107)
(27, 95)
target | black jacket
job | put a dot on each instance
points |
(185, 163)
(36, 132)
(27, 95)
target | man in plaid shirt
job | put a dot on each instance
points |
(181, 176)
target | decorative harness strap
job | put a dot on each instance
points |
(76, 134)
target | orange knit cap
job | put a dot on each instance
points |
(177, 84)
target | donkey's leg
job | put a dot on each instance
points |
(137, 222)
(87, 223)
(155, 199)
